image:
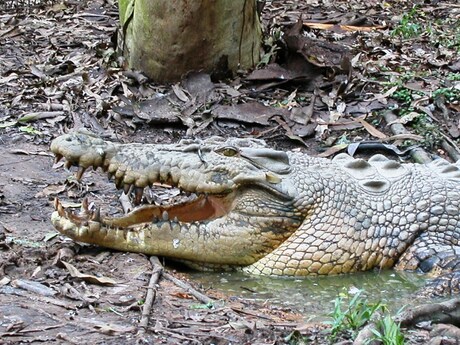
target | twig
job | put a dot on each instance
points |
(418, 154)
(34, 287)
(451, 150)
(176, 335)
(194, 334)
(450, 147)
(8, 290)
(187, 287)
(41, 329)
(157, 271)
(247, 312)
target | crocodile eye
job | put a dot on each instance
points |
(227, 151)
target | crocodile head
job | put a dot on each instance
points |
(230, 181)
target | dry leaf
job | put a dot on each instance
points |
(333, 150)
(322, 26)
(52, 189)
(182, 295)
(87, 277)
(113, 329)
(371, 129)
(179, 92)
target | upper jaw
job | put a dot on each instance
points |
(136, 167)
(133, 172)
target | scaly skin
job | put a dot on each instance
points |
(271, 212)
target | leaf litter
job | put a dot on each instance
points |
(330, 71)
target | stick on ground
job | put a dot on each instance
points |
(418, 154)
(187, 287)
(157, 271)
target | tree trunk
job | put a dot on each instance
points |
(167, 39)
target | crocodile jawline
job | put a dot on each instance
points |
(204, 207)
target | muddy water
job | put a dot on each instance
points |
(314, 296)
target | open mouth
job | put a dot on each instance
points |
(175, 205)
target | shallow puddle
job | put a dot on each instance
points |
(314, 296)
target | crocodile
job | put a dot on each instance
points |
(270, 212)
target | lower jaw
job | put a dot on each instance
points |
(200, 209)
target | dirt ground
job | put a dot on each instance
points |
(59, 72)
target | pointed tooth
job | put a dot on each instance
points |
(118, 182)
(127, 188)
(84, 205)
(67, 165)
(165, 215)
(56, 203)
(59, 208)
(80, 173)
(96, 216)
(148, 198)
(57, 158)
(139, 192)
(176, 220)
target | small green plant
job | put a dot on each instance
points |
(356, 314)
(403, 95)
(408, 26)
(388, 332)
(271, 47)
(453, 76)
(449, 93)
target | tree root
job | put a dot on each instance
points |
(443, 312)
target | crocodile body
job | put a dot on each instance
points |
(272, 212)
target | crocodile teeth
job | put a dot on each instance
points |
(58, 207)
(118, 182)
(165, 216)
(80, 173)
(138, 193)
(84, 205)
(96, 216)
(127, 188)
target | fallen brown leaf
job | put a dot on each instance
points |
(322, 26)
(332, 150)
(74, 272)
(371, 129)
